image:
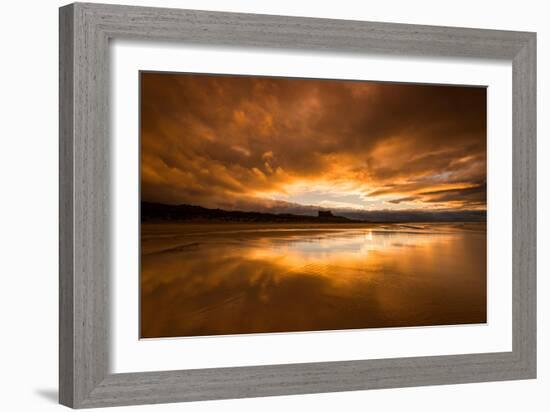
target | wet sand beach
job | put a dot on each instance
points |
(232, 278)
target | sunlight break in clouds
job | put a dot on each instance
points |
(277, 144)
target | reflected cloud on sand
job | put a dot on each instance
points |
(201, 280)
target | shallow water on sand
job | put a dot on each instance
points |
(211, 279)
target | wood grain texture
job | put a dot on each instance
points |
(85, 31)
(524, 206)
(66, 229)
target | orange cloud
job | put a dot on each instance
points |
(257, 143)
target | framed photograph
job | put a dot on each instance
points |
(256, 205)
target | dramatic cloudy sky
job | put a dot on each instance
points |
(260, 143)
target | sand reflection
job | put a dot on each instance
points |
(229, 279)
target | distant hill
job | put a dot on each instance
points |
(189, 213)
(402, 216)
(198, 214)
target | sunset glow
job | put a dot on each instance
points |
(291, 205)
(278, 144)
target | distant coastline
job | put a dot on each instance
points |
(158, 212)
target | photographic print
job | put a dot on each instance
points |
(272, 204)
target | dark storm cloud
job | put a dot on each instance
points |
(259, 142)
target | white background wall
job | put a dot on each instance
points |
(29, 191)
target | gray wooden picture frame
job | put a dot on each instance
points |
(85, 31)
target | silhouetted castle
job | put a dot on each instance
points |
(323, 213)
